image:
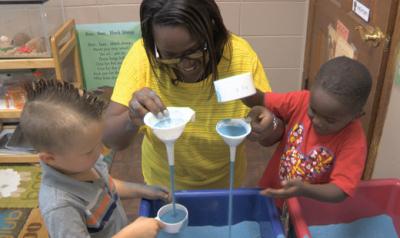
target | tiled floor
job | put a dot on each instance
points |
(127, 166)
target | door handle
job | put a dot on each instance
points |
(376, 36)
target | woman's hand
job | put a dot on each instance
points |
(266, 128)
(136, 190)
(262, 123)
(254, 100)
(154, 192)
(143, 101)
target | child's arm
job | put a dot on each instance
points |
(328, 192)
(266, 127)
(135, 190)
(67, 221)
(141, 228)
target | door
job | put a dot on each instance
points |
(360, 29)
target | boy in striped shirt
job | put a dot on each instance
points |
(78, 198)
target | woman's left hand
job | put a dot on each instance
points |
(155, 192)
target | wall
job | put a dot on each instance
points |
(388, 161)
(276, 29)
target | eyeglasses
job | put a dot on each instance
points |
(196, 55)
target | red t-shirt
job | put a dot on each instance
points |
(302, 153)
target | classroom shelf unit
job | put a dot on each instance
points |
(63, 44)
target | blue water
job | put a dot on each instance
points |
(168, 122)
(171, 217)
(245, 229)
(371, 227)
(230, 210)
(230, 130)
(172, 181)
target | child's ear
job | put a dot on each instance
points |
(46, 157)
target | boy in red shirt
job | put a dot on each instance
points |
(322, 147)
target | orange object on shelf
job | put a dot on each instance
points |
(14, 98)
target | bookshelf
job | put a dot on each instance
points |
(63, 44)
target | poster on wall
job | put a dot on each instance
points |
(331, 42)
(343, 48)
(337, 44)
(103, 48)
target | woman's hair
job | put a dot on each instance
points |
(55, 112)
(201, 18)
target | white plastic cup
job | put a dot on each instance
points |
(235, 87)
(173, 228)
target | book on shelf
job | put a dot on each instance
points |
(12, 141)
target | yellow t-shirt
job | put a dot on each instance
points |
(201, 156)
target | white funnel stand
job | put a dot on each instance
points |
(230, 140)
(168, 130)
(169, 133)
(233, 131)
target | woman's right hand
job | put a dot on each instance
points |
(261, 123)
(143, 101)
(267, 129)
(256, 99)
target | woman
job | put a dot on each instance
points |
(185, 47)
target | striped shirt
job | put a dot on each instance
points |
(201, 156)
(72, 208)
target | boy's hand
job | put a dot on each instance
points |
(261, 123)
(290, 188)
(155, 192)
(327, 192)
(142, 227)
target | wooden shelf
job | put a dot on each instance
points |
(63, 43)
(19, 158)
(10, 114)
(40, 63)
